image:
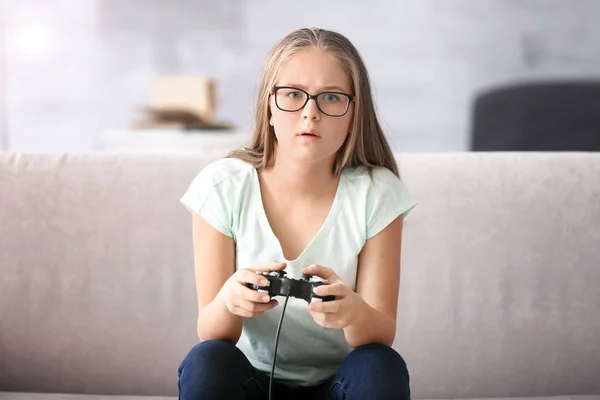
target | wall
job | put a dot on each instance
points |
(4, 139)
(76, 68)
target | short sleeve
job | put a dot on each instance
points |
(387, 199)
(208, 196)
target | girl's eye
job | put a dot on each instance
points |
(331, 97)
(294, 95)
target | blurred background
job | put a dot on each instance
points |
(462, 75)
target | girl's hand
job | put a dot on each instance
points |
(243, 301)
(340, 312)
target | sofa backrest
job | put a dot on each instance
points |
(499, 294)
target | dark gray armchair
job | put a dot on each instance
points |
(538, 116)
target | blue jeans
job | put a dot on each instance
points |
(217, 369)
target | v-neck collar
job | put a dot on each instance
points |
(325, 226)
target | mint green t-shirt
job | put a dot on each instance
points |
(226, 193)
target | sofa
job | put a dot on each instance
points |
(499, 298)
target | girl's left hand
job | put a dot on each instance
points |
(340, 312)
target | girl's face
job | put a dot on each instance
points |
(307, 131)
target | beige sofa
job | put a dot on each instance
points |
(500, 296)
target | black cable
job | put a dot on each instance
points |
(277, 342)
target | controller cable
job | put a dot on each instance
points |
(277, 341)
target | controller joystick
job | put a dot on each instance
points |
(281, 285)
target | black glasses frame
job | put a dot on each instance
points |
(309, 96)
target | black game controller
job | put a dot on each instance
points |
(280, 285)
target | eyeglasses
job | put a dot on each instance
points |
(291, 99)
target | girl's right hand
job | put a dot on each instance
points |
(243, 301)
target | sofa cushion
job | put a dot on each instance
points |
(60, 396)
(45, 396)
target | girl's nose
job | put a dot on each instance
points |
(311, 111)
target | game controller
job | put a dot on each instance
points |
(301, 288)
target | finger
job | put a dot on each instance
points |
(318, 317)
(245, 313)
(322, 272)
(248, 276)
(336, 289)
(326, 320)
(256, 308)
(255, 296)
(327, 307)
(242, 313)
(272, 266)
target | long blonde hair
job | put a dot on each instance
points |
(365, 145)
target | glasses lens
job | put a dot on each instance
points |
(290, 99)
(332, 103)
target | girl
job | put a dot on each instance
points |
(318, 193)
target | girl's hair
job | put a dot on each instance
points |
(365, 145)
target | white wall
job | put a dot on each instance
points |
(77, 68)
(4, 144)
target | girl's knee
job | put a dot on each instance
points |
(211, 354)
(379, 357)
(214, 347)
(374, 371)
(216, 369)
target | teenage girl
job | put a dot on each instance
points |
(317, 193)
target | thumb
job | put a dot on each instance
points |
(322, 272)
